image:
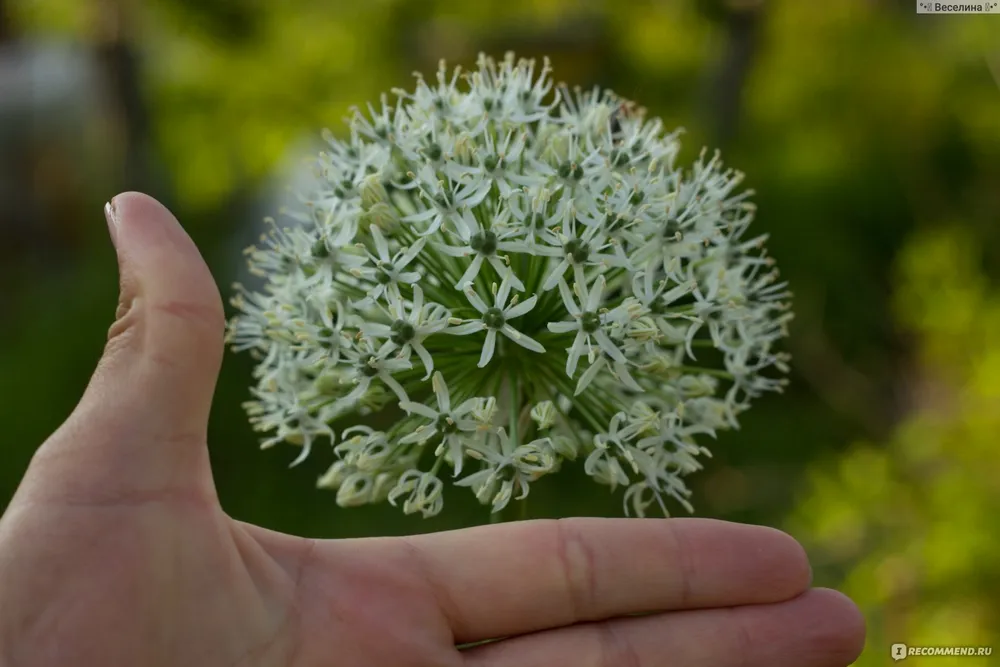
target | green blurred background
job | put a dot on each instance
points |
(871, 134)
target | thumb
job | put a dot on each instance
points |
(141, 425)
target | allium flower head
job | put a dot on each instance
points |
(496, 275)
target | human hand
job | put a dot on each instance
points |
(115, 551)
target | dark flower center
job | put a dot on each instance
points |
(671, 228)
(443, 200)
(590, 322)
(578, 251)
(485, 243)
(320, 249)
(445, 425)
(345, 189)
(369, 365)
(569, 170)
(383, 276)
(614, 223)
(434, 152)
(402, 332)
(494, 319)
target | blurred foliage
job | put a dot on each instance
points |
(908, 530)
(860, 124)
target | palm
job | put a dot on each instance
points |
(176, 582)
(115, 550)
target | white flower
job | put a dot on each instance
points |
(444, 222)
(496, 318)
(618, 370)
(368, 364)
(483, 245)
(447, 199)
(423, 490)
(409, 332)
(588, 323)
(452, 425)
(388, 271)
(544, 414)
(364, 448)
(507, 468)
(577, 248)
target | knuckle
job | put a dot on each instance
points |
(424, 570)
(124, 329)
(685, 565)
(578, 564)
(207, 313)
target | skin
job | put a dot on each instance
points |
(115, 550)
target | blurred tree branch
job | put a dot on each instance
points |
(743, 19)
(6, 29)
(119, 63)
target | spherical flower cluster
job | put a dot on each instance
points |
(497, 275)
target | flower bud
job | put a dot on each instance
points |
(503, 496)
(372, 191)
(565, 447)
(334, 476)
(535, 458)
(382, 216)
(544, 414)
(356, 489)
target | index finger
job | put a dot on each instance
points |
(495, 581)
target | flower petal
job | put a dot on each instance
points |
(394, 385)
(454, 250)
(575, 352)
(425, 358)
(596, 292)
(471, 272)
(474, 299)
(418, 408)
(589, 375)
(526, 342)
(422, 433)
(466, 329)
(441, 393)
(567, 297)
(488, 347)
(501, 268)
(562, 327)
(609, 347)
(381, 246)
(521, 308)
(553, 278)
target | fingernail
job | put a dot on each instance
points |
(111, 214)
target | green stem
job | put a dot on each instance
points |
(515, 406)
